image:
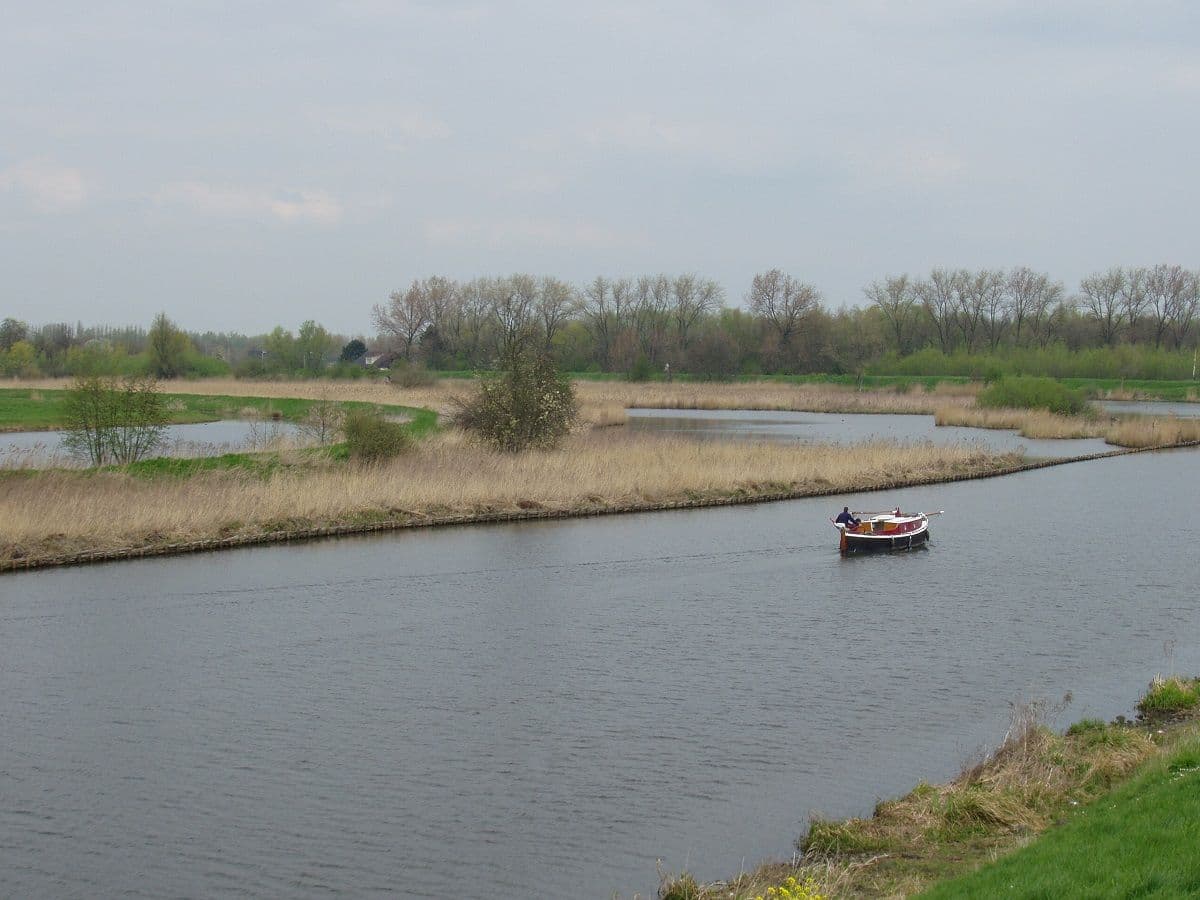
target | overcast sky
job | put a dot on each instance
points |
(246, 164)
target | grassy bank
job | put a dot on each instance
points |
(1117, 805)
(51, 513)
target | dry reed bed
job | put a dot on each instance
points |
(829, 398)
(1126, 431)
(59, 513)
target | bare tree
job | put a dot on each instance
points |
(782, 301)
(693, 297)
(1100, 297)
(896, 298)
(1183, 313)
(512, 301)
(1031, 296)
(980, 301)
(599, 317)
(1133, 296)
(1165, 288)
(989, 286)
(939, 299)
(651, 309)
(405, 316)
(556, 302)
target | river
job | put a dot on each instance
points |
(547, 709)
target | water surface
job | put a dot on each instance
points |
(547, 709)
(198, 439)
(845, 428)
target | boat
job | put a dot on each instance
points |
(891, 530)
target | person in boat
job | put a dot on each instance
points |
(845, 517)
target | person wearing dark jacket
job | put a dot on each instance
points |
(845, 517)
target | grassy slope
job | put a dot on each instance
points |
(1138, 841)
(45, 409)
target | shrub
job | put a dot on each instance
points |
(370, 437)
(1033, 393)
(323, 421)
(409, 375)
(111, 420)
(530, 404)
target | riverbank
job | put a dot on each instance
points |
(1032, 820)
(58, 517)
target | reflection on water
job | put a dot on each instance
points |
(201, 439)
(547, 709)
(847, 428)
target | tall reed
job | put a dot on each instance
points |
(445, 475)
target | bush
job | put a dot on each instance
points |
(323, 421)
(111, 420)
(370, 437)
(530, 404)
(641, 370)
(409, 375)
(1033, 393)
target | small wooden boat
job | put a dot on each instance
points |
(892, 530)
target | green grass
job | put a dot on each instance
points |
(1170, 695)
(25, 410)
(1139, 840)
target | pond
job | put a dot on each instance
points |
(549, 709)
(202, 439)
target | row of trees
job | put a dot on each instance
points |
(165, 351)
(646, 324)
(612, 324)
(1026, 308)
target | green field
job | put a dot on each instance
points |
(1140, 840)
(38, 410)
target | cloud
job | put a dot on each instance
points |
(291, 207)
(49, 188)
(528, 231)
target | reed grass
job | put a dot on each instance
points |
(830, 398)
(56, 512)
(1030, 423)
(1124, 431)
(1153, 431)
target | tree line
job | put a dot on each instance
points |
(784, 324)
(947, 320)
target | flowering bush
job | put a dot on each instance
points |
(529, 405)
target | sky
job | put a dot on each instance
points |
(241, 165)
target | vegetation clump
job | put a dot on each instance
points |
(1167, 696)
(114, 421)
(371, 438)
(1033, 393)
(530, 405)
